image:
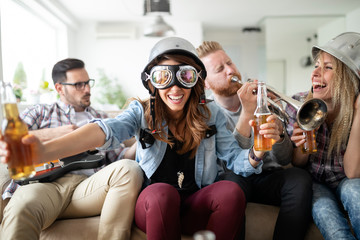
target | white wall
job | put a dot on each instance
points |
(281, 45)
(352, 21)
(275, 54)
(286, 41)
(247, 50)
(124, 59)
(330, 30)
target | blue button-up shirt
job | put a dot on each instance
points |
(221, 145)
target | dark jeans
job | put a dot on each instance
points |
(162, 214)
(291, 189)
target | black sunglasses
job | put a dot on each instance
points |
(81, 85)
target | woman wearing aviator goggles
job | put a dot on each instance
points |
(179, 142)
(163, 76)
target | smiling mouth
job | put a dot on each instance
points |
(317, 85)
(176, 98)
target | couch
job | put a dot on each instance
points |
(260, 222)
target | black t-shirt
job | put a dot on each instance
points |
(173, 165)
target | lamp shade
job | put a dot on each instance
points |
(159, 28)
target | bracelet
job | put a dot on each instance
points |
(253, 156)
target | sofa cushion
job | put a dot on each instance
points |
(70, 229)
(260, 222)
(79, 228)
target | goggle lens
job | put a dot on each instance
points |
(188, 76)
(160, 77)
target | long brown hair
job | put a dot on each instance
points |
(194, 115)
(344, 90)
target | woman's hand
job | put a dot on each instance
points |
(298, 136)
(4, 152)
(36, 146)
(300, 159)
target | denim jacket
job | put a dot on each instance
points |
(221, 145)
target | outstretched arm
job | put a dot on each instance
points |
(46, 134)
(82, 139)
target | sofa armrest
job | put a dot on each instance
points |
(4, 182)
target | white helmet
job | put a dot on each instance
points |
(174, 45)
(346, 48)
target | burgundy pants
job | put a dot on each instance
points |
(219, 207)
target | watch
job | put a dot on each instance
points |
(253, 156)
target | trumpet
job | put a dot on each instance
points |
(309, 115)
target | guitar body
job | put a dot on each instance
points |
(52, 170)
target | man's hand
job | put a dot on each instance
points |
(247, 98)
(273, 128)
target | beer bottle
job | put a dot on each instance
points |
(261, 113)
(20, 164)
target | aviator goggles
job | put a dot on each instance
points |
(163, 76)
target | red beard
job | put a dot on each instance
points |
(227, 91)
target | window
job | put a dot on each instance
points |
(30, 44)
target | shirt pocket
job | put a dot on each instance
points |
(209, 143)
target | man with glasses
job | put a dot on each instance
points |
(72, 110)
(72, 83)
(111, 191)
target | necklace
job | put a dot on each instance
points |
(181, 177)
(180, 173)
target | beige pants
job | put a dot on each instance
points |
(111, 192)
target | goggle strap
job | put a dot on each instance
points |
(202, 74)
(152, 110)
(144, 76)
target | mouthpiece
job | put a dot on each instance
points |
(235, 79)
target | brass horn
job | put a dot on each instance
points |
(310, 114)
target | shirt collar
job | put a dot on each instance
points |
(68, 108)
